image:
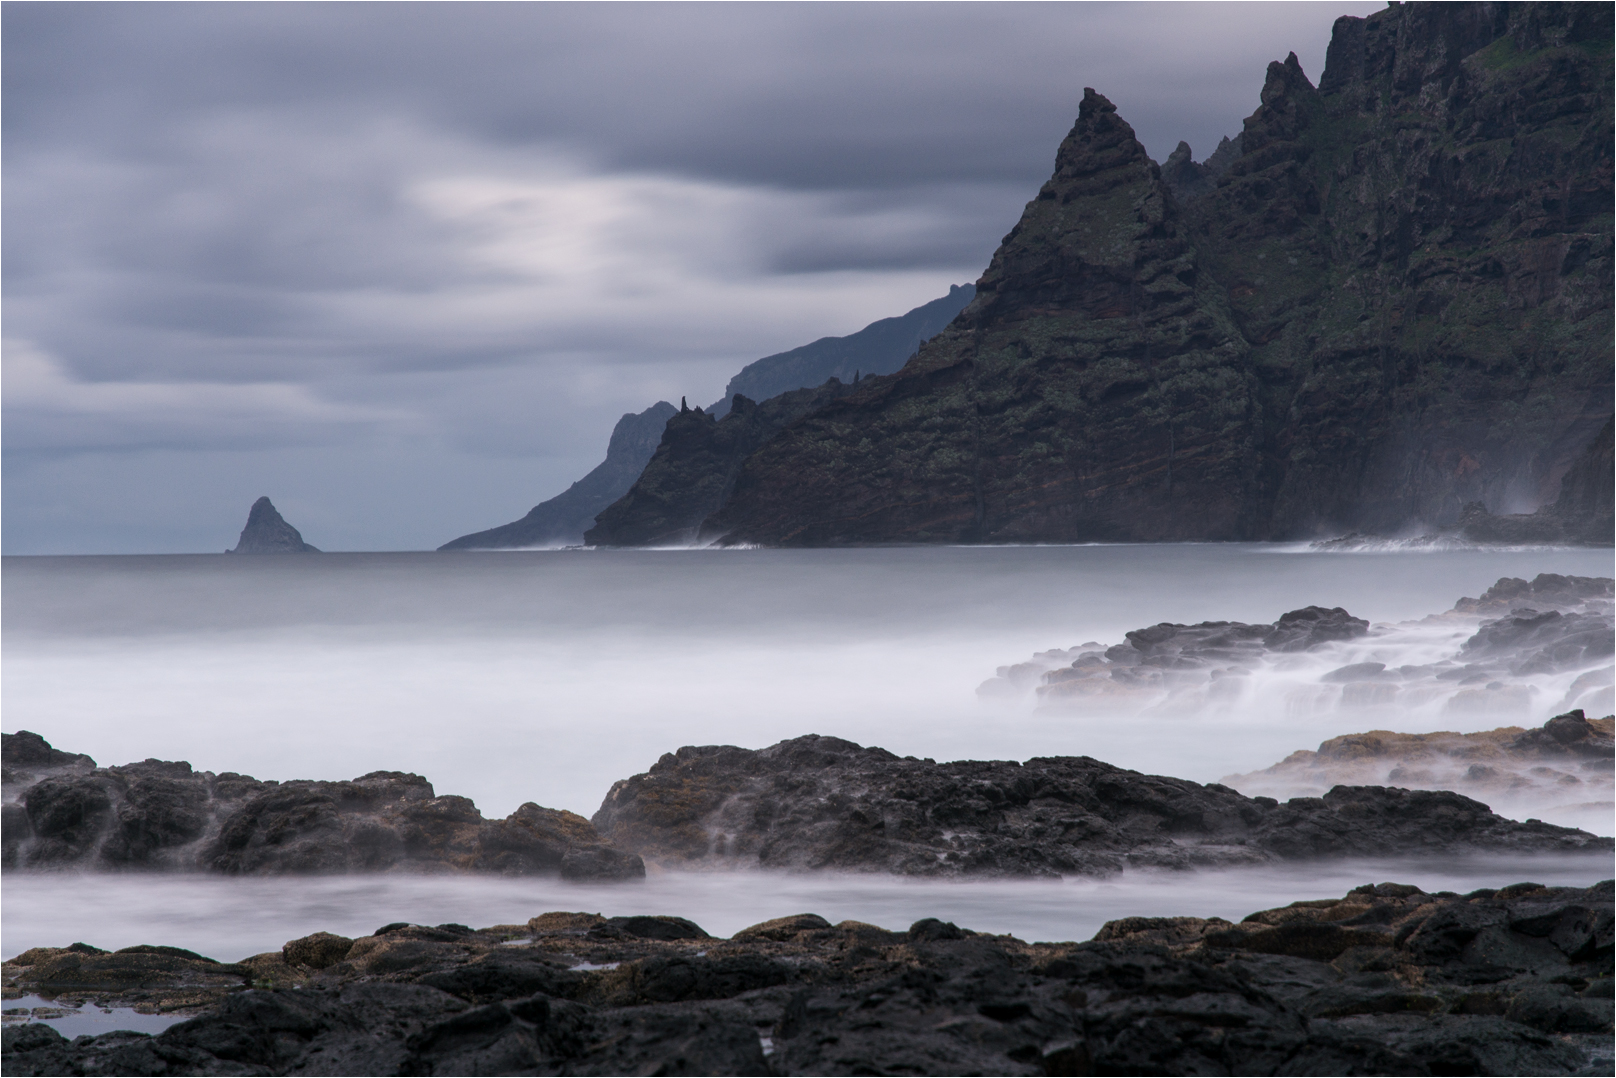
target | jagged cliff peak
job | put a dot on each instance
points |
(1390, 299)
(268, 533)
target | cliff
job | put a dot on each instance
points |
(691, 474)
(563, 519)
(1393, 303)
(268, 533)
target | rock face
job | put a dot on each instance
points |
(61, 811)
(824, 803)
(1569, 759)
(879, 348)
(1395, 302)
(693, 470)
(1581, 514)
(1386, 980)
(564, 519)
(267, 533)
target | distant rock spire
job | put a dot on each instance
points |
(268, 533)
(683, 407)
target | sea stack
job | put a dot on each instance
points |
(268, 533)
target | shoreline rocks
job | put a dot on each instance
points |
(1568, 757)
(823, 803)
(1497, 650)
(62, 811)
(1385, 980)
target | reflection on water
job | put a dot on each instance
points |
(71, 1019)
(230, 919)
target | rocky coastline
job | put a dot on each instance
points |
(62, 811)
(1495, 653)
(805, 804)
(1384, 980)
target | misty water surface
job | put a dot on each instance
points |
(546, 676)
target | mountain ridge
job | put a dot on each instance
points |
(1394, 303)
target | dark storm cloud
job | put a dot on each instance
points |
(488, 229)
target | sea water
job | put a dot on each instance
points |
(546, 676)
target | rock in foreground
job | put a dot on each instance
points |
(1387, 980)
(61, 811)
(824, 803)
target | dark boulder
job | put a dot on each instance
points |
(163, 815)
(824, 803)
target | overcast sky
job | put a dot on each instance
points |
(401, 267)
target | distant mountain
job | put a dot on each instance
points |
(268, 533)
(879, 348)
(564, 518)
(1390, 299)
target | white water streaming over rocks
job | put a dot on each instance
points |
(547, 676)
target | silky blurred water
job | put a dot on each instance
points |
(547, 675)
(230, 919)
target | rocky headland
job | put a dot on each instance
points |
(1386, 980)
(1386, 305)
(268, 533)
(693, 469)
(62, 811)
(879, 348)
(562, 520)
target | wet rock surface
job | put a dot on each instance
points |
(61, 811)
(1385, 980)
(824, 803)
(1524, 637)
(1568, 757)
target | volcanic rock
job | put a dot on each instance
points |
(1568, 759)
(267, 533)
(1559, 627)
(163, 815)
(1396, 301)
(1385, 980)
(693, 470)
(824, 803)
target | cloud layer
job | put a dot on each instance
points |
(275, 246)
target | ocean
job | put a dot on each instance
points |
(546, 676)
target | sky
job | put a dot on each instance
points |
(401, 266)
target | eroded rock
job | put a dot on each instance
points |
(824, 803)
(1385, 980)
(63, 812)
